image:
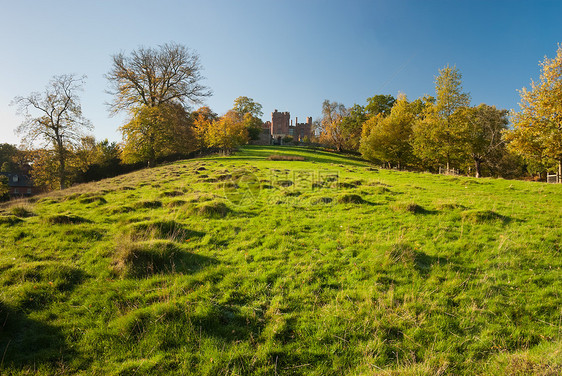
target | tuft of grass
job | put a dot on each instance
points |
(142, 259)
(483, 216)
(409, 207)
(213, 209)
(9, 220)
(93, 199)
(21, 212)
(65, 219)
(150, 204)
(160, 229)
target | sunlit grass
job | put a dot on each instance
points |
(245, 265)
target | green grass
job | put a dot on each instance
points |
(247, 266)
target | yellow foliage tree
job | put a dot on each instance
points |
(537, 127)
(226, 133)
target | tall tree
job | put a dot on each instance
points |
(155, 86)
(150, 77)
(483, 128)
(155, 132)
(537, 127)
(437, 135)
(332, 132)
(380, 104)
(245, 105)
(55, 117)
(352, 126)
(389, 137)
(227, 133)
(249, 111)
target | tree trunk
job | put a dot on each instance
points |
(477, 167)
(560, 171)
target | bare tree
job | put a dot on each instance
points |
(151, 77)
(54, 117)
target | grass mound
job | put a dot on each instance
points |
(151, 204)
(160, 229)
(21, 212)
(65, 219)
(9, 220)
(93, 199)
(213, 209)
(53, 273)
(322, 200)
(172, 193)
(409, 207)
(351, 199)
(483, 216)
(142, 259)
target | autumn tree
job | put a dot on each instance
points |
(227, 133)
(537, 126)
(332, 132)
(437, 136)
(8, 156)
(482, 130)
(388, 139)
(155, 86)
(157, 131)
(4, 189)
(54, 117)
(201, 120)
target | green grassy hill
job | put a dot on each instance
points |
(245, 266)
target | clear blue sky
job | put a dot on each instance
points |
(287, 55)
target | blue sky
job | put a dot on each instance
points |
(287, 55)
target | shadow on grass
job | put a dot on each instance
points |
(144, 259)
(424, 262)
(27, 344)
(227, 322)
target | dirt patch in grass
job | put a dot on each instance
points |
(276, 157)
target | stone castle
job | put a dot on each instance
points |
(282, 126)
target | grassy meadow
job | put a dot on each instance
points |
(243, 265)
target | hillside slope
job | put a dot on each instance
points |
(244, 265)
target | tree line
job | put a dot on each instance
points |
(445, 132)
(157, 88)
